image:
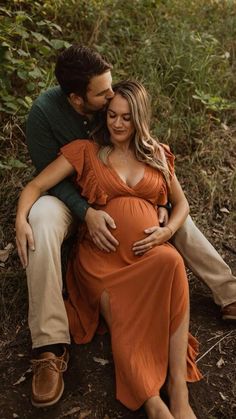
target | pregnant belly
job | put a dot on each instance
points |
(132, 215)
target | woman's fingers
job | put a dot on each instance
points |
(143, 249)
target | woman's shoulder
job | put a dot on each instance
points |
(79, 145)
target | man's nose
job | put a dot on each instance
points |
(110, 94)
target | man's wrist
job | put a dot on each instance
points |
(167, 206)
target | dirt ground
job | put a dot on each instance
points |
(89, 381)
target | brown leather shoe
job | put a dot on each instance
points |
(229, 312)
(47, 383)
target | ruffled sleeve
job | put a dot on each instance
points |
(81, 154)
(74, 152)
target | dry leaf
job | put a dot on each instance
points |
(220, 363)
(222, 396)
(71, 411)
(23, 377)
(101, 361)
(4, 254)
(224, 126)
(224, 210)
(84, 414)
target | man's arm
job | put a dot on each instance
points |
(43, 149)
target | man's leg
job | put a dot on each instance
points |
(51, 222)
(205, 262)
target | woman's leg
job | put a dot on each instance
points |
(155, 407)
(176, 385)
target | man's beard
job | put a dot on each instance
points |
(89, 110)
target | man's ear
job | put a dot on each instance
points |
(76, 100)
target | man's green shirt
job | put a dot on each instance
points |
(52, 122)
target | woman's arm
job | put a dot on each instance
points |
(50, 176)
(159, 235)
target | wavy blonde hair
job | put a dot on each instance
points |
(147, 149)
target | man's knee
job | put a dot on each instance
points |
(185, 231)
(50, 214)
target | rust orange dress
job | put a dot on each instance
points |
(148, 294)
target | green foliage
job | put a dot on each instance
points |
(28, 46)
(181, 50)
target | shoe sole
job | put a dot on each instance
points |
(54, 401)
(229, 317)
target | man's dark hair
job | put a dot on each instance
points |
(76, 66)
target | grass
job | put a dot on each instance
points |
(183, 51)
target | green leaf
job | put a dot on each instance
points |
(38, 36)
(11, 162)
(22, 74)
(58, 44)
(22, 53)
(35, 73)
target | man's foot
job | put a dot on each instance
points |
(47, 383)
(229, 312)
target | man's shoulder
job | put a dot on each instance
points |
(50, 97)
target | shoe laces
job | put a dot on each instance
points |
(51, 363)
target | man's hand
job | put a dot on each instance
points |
(163, 216)
(24, 240)
(97, 222)
(157, 235)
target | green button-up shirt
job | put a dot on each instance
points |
(53, 122)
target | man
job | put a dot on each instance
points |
(60, 115)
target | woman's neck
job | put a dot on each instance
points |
(123, 147)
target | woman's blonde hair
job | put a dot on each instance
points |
(147, 148)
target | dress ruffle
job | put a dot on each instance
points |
(86, 178)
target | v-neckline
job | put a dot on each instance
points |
(117, 176)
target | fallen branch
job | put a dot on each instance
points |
(210, 349)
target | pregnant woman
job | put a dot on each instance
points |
(140, 288)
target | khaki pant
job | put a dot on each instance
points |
(51, 221)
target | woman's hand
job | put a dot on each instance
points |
(157, 235)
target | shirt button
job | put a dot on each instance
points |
(85, 122)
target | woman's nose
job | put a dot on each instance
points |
(117, 122)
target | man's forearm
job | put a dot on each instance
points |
(67, 193)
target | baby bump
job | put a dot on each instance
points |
(132, 215)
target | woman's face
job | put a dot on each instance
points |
(119, 121)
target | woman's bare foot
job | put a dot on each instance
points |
(157, 409)
(179, 403)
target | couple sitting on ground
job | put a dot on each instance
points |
(128, 273)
